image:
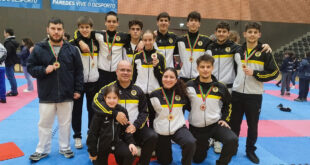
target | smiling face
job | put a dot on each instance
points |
(252, 35)
(221, 35)
(111, 99)
(148, 41)
(111, 23)
(193, 25)
(163, 24)
(85, 30)
(205, 69)
(55, 32)
(169, 79)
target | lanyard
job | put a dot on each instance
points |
(53, 51)
(204, 96)
(110, 45)
(190, 45)
(170, 104)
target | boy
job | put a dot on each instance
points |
(91, 76)
(135, 31)
(254, 68)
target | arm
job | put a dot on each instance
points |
(159, 68)
(93, 135)
(143, 111)
(226, 107)
(2, 54)
(270, 72)
(24, 53)
(78, 73)
(187, 105)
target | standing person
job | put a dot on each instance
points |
(209, 113)
(234, 36)
(2, 73)
(165, 40)
(58, 69)
(254, 68)
(27, 44)
(191, 46)
(134, 100)
(11, 46)
(148, 67)
(304, 78)
(168, 102)
(295, 71)
(91, 76)
(286, 71)
(106, 135)
(135, 31)
(67, 37)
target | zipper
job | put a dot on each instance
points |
(148, 76)
(88, 69)
(113, 130)
(111, 61)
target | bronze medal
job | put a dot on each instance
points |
(154, 56)
(191, 59)
(109, 57)
(243, 66)
(170, 117)
(203, 107)
(56, 64)
(93, 64)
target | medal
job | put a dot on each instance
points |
(109, 57)
(203, 106)
(154, 56)
(170, 117)
(56, 64)
(243, 66)
(191, 59)
(93, 64)
(192, 47)
(248, 56)
(170, 104)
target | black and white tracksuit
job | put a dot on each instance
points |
(129, 51)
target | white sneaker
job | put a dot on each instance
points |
(217, 147)
(26, 90)
(78, 143)
(293, 87)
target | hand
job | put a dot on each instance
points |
(121, 118)
(133, 149)
(155, 33)
(155, 62)
(131, 128)
(92, 157)
(76, 96)
(140, 46)
(266, 48)
(49, 69)
(84, 47)
(223, 123)
(248, 71)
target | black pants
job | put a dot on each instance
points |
(146, 138)
(303, 88)
(122, 155)
(219, 133)
(286, 80)
(250, 105)
(181, 137)
(106, 78)
(90, 90)
(151, 111)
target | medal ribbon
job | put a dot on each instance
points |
(204, 96)
(92, 49)
(170, 104)
(247, 56)
(144, 56)
(110, 45)
(53, 51)
(190, 45)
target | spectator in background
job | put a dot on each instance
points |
(2, 74)
(11, 45)
(234, 36)
(23, 56)
(66, 37)
(286, 71)
(304, 78)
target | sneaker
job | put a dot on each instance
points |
(26, 90)
(78, 143)
(67, 153)
(304, 99)
(288, 93)
(2, 100)
(11, 94)
(298, 100)
(217, 147)
(293, 87)
(37, 156)
(252, 156)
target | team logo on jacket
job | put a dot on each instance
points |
(133, 92)
(257, 54)
(215, 89)
(200, 43)
(227, 49)
(95, 48)
(118, 38)
(170, 40)
(177, 97)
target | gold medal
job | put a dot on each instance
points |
(56, 64)
(203, 107)
(170, 117)
(191, 59)
(93, 64)
(109, 57)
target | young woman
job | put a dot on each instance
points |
(168, 102)
(109, 133)
(148, 67)
(27, 45)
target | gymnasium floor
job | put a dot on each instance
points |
(283, 136)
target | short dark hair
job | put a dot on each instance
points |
(111, 88)
(10, 31)
(135, 22)
(194, 15)
(289, 53)
(111, 13)
(28, 42)
(55, 20)
(67, 35)
(222, 25)
(205, 58)
(253, 25)
(163, 15)
(85, 20)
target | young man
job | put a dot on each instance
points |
(191, 46)
(254, 68)
(210, 112)
(91, 76)
(286, 72)
(58, 68)
(2, 74)
(165, 40)
(111, 50)
(11, 46)
(135, 31)
(134, 100)
(304, 78)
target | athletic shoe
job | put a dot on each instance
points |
(288, 93)
(253, 157)
(37, 156)
(78, 143)
(298, 100)
(67, 153)
(11, 94)
(217, 147)
(293, 87)
(26, 90)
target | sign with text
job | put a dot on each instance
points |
(99, 6)
(34, 4)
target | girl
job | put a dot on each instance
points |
(148, 67)
(168, 102)
(110, 134)
(27, 45)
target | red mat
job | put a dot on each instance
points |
(278, 92)
(9, 151)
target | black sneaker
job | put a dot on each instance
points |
(67, 153)
(37, 156)
(11, 94)
(298, 99)
(252, 156)
(2, 100)
(288, 93)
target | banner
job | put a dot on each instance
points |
(99, 6)
(34, 4)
